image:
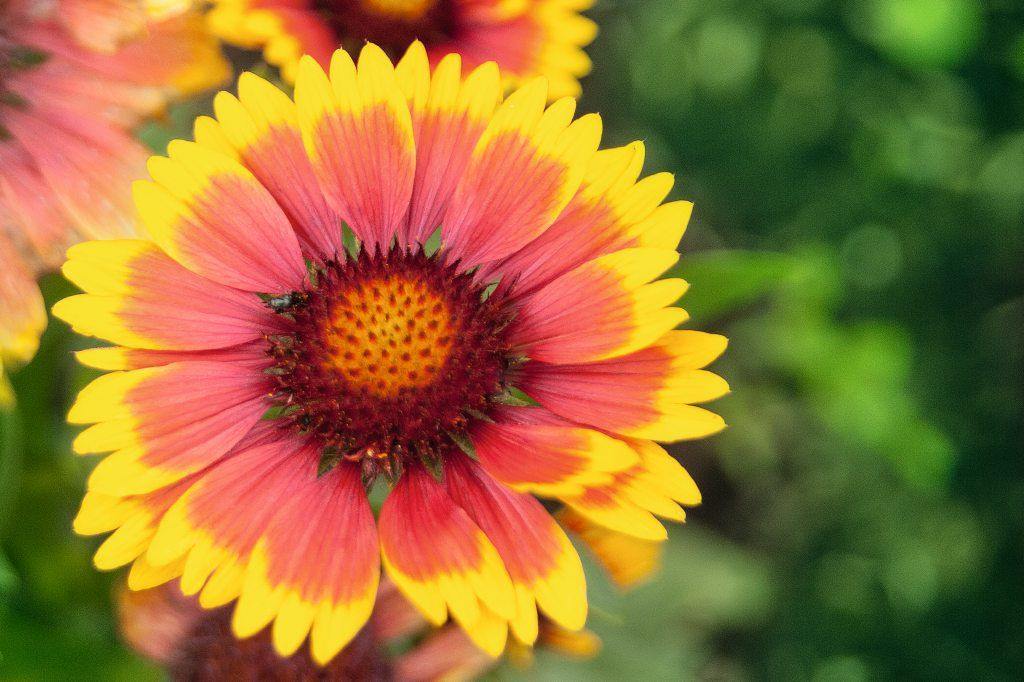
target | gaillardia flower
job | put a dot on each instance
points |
(497, 333)
(191, 643)
(526, 38)
(75, 76)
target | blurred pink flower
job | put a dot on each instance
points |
(75, 77)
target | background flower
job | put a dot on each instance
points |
(193, 643)
(75, 78)
(526, 38)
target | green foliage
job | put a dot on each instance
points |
(856, 172)
(56, 620)
(731, 281)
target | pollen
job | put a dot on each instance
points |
(389, 334)
(389, 355)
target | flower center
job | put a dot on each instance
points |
(410, 10)
(388, 334)
(388, 356)
(392, 24)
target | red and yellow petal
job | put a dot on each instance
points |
(102, 513)
(28, 212)
(203, 531)
(164, 9)
(440, 560)
(261, 129)
(102, 25)
(358, 133)
(545, 570)
(662, 475)
(656, 486)
(22, 314)
(648, 394)
(489, 632)
(285, 31)
(527, 39)
(145, 575)
(209, 213)
(133, 520)
(175, 54)
(525, 169)
(628, 560)
(449, 114)
(138, 296)
(531, 450)
(85, 165)
(304, 554)
(317, 566)
(609, 507)
(605, 308)
(165, 422)
(170, 58)
(580, 644)
(611, 211)
(116, 358)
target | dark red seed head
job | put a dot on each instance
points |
(387, 355)
(391, 24)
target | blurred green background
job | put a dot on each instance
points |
(858, 172)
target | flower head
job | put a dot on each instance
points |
(191, 643)
(498, 333)
(526, 38)
(75, 76)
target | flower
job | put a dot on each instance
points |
(526, 38)
(270, 371)
(75, 76)
(191, 643)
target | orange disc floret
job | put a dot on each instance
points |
(267, 375)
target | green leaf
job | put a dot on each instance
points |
(176, 125)
(464, 443)
(12, 100)
(313, 270)
(8, 576)
(433, 243)
(488, 290)
(477, 414)
(278, 411)
(328, 460)
(513, 397)
(11, 449)
(351, 241)
(21, 57)
(434, 466)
